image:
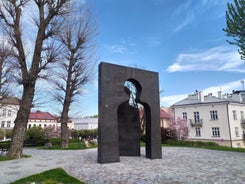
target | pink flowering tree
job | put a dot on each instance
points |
(179, 126)
(177, 130)
(52, 132)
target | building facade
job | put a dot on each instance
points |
(219, 119)
(45, 119)
(85, 123)
(9, 107)
(42, 119)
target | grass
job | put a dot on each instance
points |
(199, 144)
(53, 176)
(5, 158)
(219, 148)
(72, 146)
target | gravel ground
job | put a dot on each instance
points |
(179, 165)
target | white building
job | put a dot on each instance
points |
(9, 107)
(85, 123)
(45, 119)
(220, 119)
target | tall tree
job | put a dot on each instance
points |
(235, 25)
(46, 16)
(6, 69)
(77, 64)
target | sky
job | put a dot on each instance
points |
(182, 40)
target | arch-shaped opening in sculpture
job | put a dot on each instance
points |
(134, 118)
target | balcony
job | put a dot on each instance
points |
(243, 122)
(196, 122)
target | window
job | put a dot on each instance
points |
(242, 114)
(8, 124)
(215, 132)
(213, 115)
(196, 117)
(29, 125)
(184, 115)
(237, 131)
(9, 112)
(198, 132)
(234, 115)
(4, 112)
(3, 124)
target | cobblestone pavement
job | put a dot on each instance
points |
(179, 165)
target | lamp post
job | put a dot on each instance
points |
(79, 142)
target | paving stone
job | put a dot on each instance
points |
(178, 166)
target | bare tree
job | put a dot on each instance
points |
(6, 69)
(76, 67)
(47, 23)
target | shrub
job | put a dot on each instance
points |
(93, 133)
(51, 132)
(9, 134)
(55, 141)
(2, 134)
(168, 134)
(34, 136)
(189, 143)
(74, 134)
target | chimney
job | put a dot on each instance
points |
(220, 94)
(200, 96)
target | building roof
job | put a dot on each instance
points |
(197, 98)
(9, 101)
(38, 115)
(164, 114)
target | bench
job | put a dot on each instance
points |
(4, 147)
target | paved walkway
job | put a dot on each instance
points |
(179, 165)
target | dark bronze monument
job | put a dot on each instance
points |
(119, 123)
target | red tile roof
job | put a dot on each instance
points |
(38, 115)
(164, 114)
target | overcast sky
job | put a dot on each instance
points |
(182, 40)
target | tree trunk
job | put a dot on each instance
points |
(63, 120)
(21, 121)
(64, 135)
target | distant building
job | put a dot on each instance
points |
(9, 107)
(219, 119)
(85, 123)
(41, 119)
(44, 119)
(165, 117)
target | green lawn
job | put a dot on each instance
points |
(72, 146)
(5, 158)
(54, 176)
(199, 144)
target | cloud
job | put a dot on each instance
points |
(191, 10)
(125, 45)
(118, 49)
(214, 59)
(167, 101)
